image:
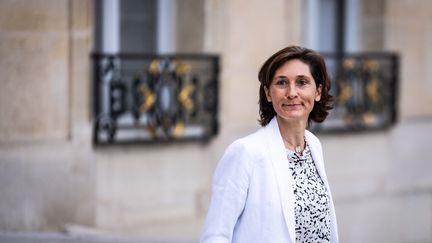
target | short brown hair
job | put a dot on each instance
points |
(318, 70)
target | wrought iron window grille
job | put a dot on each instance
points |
(141, 98)
(365, 90)
(163, 98)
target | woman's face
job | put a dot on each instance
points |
(293, 91)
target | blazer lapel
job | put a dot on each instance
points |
(317, 156)
(283, 175)
(316, 152)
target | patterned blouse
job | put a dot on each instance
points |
(312, 210)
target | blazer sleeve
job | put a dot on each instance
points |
(229, 192)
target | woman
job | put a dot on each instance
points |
(271, 185)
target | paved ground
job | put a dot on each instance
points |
(18, 237)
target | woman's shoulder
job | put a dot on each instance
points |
(241, 156)
(252, 143)
(255, 139)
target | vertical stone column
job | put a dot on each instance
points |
(34, 99)
(408, 30)
(372, 25)
(245, 33)
(45, 158)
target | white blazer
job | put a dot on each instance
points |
(252, 191)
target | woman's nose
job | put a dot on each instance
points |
(291, 91)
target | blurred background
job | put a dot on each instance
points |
(63, 171)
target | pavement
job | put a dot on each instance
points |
(64, 237)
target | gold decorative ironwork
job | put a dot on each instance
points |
(149, 98)
(169, 98)
(372, 91)
(364, 88)
(185, 99)
(154, 67)
(348, 63)
(345, 92)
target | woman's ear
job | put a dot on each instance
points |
(318, 93)
(267, 93)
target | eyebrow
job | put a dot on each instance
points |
(298, 76)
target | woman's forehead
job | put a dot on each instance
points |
(293, 68)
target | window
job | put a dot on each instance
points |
(149, 26)
(151, 81)
(364, 80)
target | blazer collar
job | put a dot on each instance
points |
(280, 165)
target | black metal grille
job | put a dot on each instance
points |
(163, 98)
(365, 90)
(155, 98)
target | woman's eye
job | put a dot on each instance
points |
(281, 82)
(302, 82)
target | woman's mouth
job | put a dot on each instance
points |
(291, 105)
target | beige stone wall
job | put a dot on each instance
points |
(46, 172)
(245, 33)
(34, 96)
(190, 20)
(381, 180)
(52, 176)
(409, 32)
(372, 25)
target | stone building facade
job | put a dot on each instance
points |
(53, 178)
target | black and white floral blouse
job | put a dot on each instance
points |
(312, 210)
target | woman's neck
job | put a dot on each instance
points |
(292, 133)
